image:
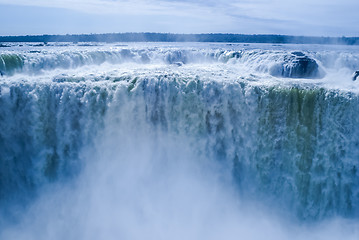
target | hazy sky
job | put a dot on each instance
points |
(294, 17)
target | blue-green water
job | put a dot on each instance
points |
(177, 141)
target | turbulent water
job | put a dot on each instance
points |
(179, 141)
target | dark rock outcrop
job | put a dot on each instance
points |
(297, 65)
(355, 75)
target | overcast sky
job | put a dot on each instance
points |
(293, 17)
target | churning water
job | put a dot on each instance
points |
(179, 141)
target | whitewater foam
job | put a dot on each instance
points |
(127, 141)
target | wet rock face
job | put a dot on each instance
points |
(296, 65)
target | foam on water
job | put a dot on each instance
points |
(195, 141)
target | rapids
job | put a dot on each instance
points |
(153, 131)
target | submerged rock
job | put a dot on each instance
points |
(179, 64)
(296, 65)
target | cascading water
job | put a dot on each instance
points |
(180, 141)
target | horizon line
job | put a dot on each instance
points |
(173, 33)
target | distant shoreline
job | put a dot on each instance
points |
(172, 37)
